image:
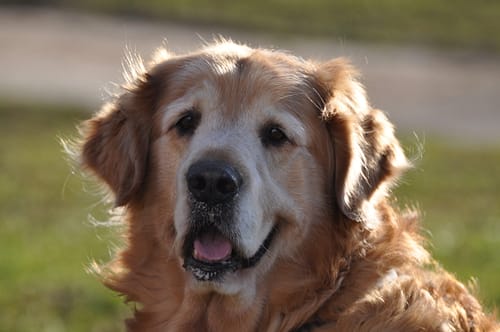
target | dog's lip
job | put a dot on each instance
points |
(213, 270)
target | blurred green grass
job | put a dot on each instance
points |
(457, 190)
(47, 240)
(458, 23)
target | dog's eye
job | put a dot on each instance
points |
(188, 123)
(273, 135)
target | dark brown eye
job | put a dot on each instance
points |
(187, 124)
(273, 135)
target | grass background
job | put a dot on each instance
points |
(47, 240)
(448, 23)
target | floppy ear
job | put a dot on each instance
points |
(368, 157)
(116, 140)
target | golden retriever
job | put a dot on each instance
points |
(255, 189)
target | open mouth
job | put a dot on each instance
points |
(209, 254)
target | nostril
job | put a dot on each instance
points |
(227, 185)
(197, 183)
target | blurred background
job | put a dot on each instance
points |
(433, 66)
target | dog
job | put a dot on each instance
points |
(255, 190)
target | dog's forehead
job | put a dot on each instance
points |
(234, 79)
(260, 74)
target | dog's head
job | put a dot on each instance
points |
(231, 156)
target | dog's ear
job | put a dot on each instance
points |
(116, 140)
(368, 157)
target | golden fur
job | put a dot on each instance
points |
(344, 259)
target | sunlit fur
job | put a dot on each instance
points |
(343, 259)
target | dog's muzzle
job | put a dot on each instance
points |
(209, 248)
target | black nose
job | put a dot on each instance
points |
(213, 181)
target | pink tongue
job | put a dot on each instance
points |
(212, 247)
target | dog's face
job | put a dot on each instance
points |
(234, 154)
(239, 151)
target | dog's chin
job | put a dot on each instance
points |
(213, 259)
